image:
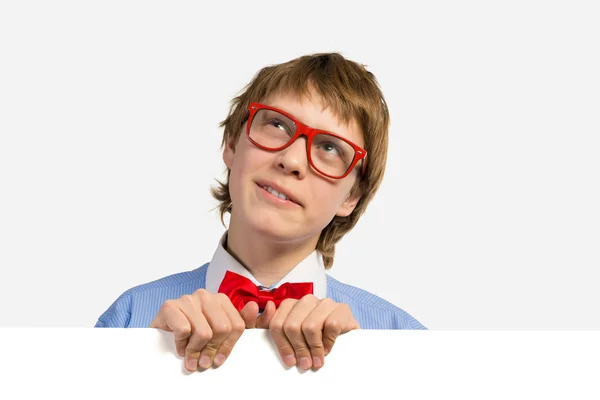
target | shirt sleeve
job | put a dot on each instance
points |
(117, 315)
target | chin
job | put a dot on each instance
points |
(275, 229)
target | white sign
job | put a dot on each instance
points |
(86, 363)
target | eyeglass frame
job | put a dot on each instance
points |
(309, 132)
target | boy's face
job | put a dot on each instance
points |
(317, 198)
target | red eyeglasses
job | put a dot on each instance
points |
(272, 129)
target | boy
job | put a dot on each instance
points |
(305, 145)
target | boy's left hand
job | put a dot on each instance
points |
(304, 330)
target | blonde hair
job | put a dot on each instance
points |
(352, 93)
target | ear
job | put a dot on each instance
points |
(348, 205)
(228, 153)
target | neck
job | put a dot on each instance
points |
(266, 259)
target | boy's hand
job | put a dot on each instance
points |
(304, 330)
(206, 326)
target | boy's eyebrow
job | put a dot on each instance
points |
(344, 116)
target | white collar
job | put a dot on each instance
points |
(311, 269)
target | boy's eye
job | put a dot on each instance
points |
(331, 148)
(279, 125)
(276, 123)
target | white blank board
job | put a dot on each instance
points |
(74, 363)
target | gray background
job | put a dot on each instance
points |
(488, 215)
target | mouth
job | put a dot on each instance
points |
(277, 193)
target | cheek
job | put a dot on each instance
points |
(250, 158)
(246, 163)
(329, 196)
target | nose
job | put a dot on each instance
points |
(293, 159)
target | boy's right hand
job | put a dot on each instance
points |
(205, 325)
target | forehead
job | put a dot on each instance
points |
(312, 110)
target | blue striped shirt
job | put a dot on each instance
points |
(137, 307)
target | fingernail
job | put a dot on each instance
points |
(219, 360)
(326, 351)
(317, 362)
(191, 364)
(204, 362)
(304, 362)
(290, 360)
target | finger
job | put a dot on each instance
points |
(221, 328)
(337, 322)
(293, 329)
(171, 318)
(237, 328)
(352, 325)
(284, 347)
(262, 322)
(201, 331)
(249, 314)
(312, 329)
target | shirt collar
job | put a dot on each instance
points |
(311, 269)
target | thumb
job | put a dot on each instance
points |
(262, 322)
(249, 314)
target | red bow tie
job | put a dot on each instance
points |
(241, 290)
